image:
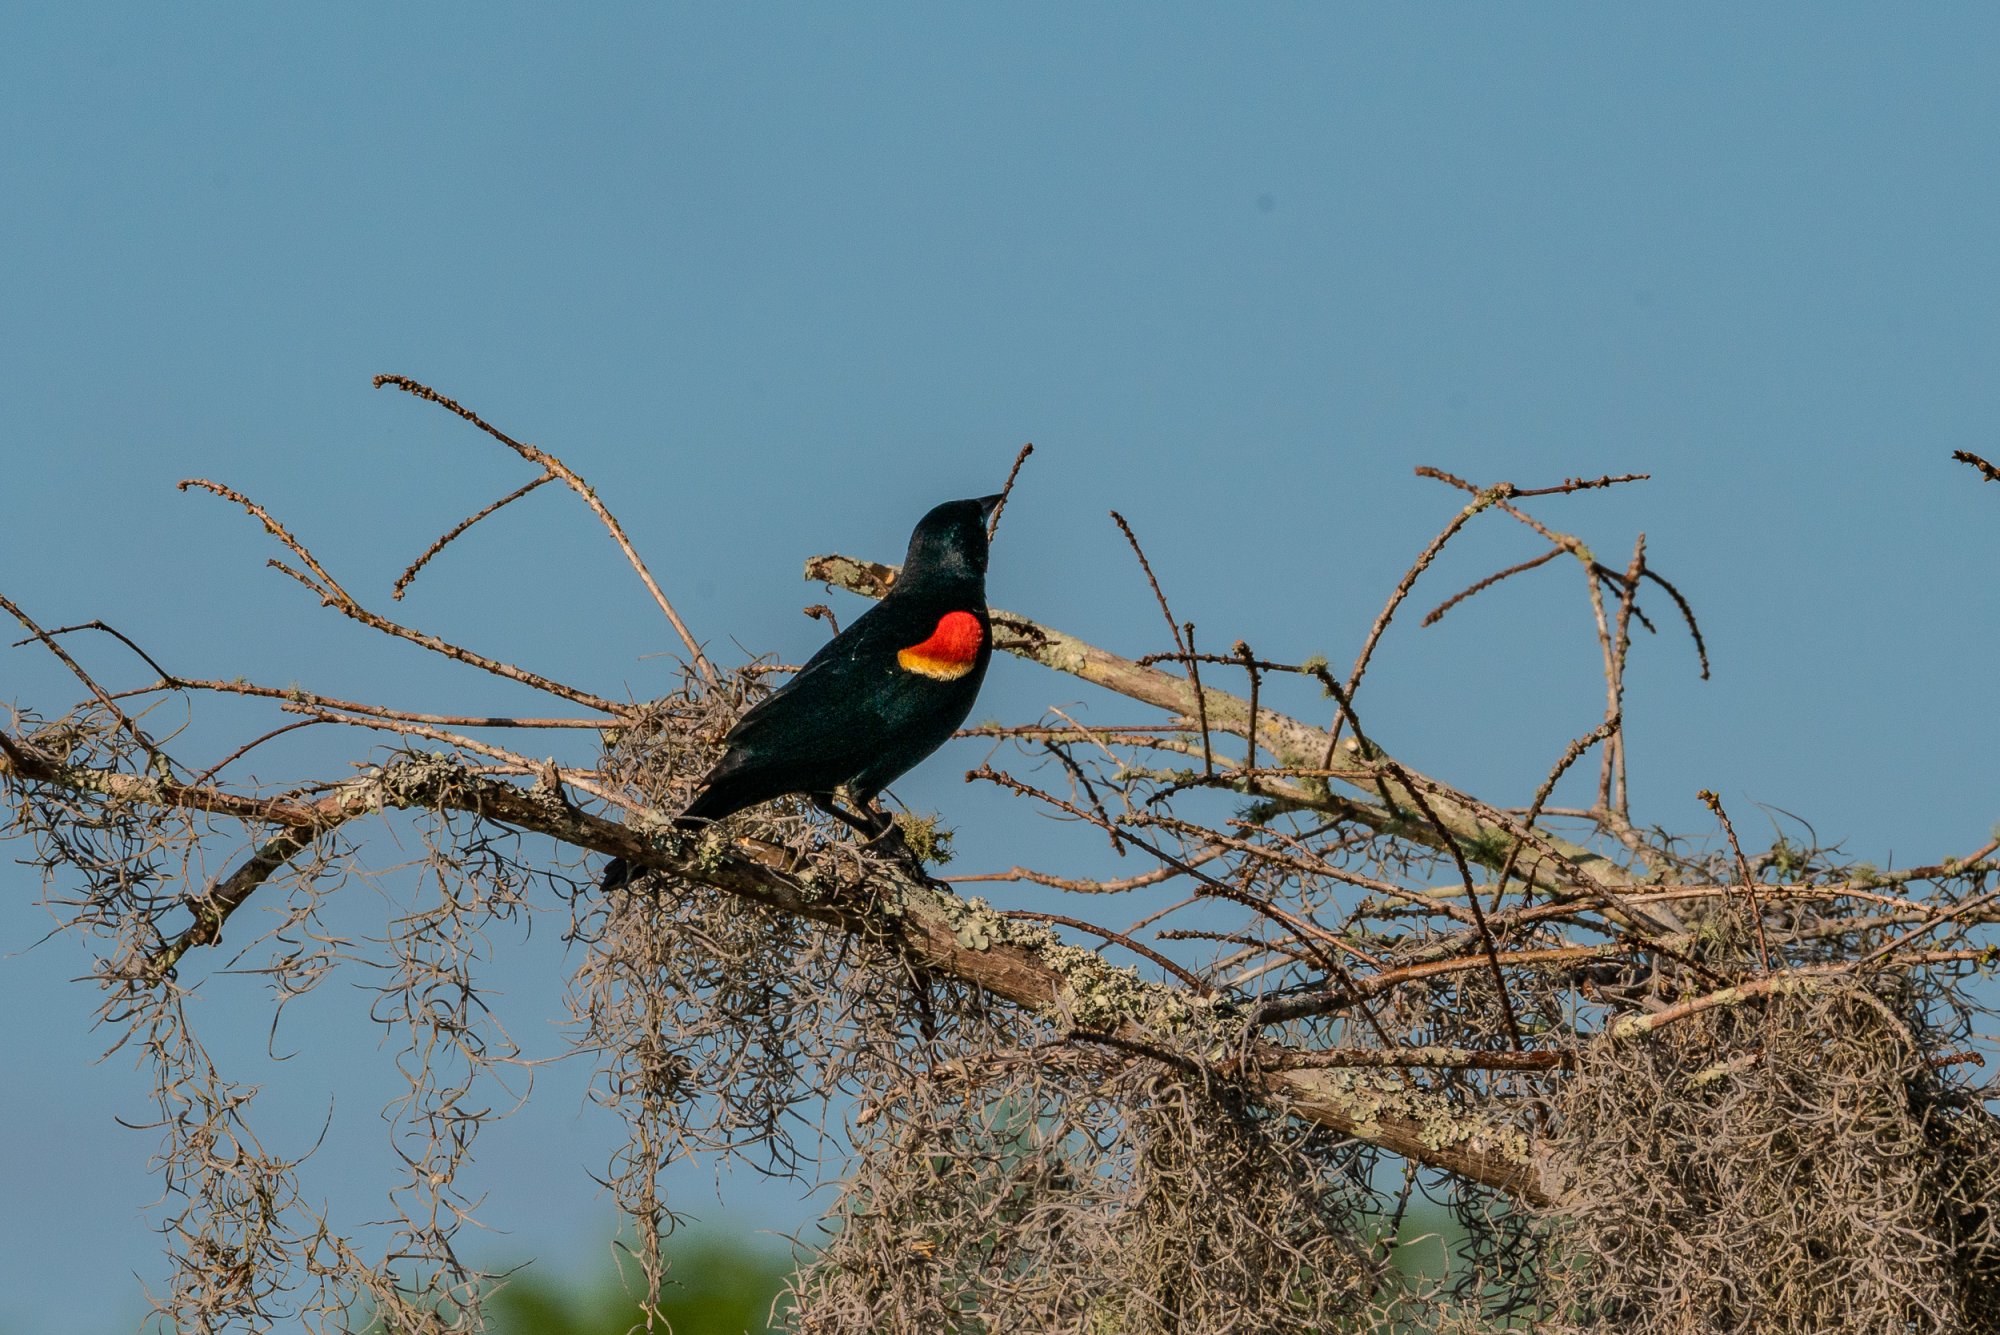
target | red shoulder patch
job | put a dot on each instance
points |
(950, 651)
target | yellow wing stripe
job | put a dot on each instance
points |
(939, 669)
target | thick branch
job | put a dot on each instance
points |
(933, 928)
(1033, 967)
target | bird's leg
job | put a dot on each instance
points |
(877, 828)
(891, 840)
(882, 824)
(883, 832)
(861, 823)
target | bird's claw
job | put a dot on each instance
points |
(889, 839)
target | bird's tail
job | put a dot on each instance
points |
(711, 804)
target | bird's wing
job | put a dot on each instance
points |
(823, 676)
(853, 687)
(830, 699)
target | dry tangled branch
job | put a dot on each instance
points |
(1665, 1083)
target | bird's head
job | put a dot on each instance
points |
(950, 543)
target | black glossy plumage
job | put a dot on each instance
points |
(853, 717)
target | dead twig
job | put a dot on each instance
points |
(551, 464)
(333, 595)
(1144, 951)
(993, 522)
(1714, 804)
(1986, 470)
(404, 580)
(1436, 614)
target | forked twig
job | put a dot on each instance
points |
(550, 463)
(114, 633)
(126, 723)
(1480, 501)
(1714, 803)
(1611, 793)
(333, 595)
(1571, 754)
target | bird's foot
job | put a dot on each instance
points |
(870, 822)
(888, 838)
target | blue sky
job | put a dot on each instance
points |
(776, 280)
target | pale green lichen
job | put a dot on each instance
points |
(976, 925)
(1371, 1098)
(1102, 996)
(973, 934)
(361, 798)
(653, 825)
(418, 778)
(711, 850)
(1063, 654)
(1093, 994)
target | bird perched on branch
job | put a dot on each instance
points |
(877, 698)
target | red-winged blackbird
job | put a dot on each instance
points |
(877, 698)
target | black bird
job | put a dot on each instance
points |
(877, 698)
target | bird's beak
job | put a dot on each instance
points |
(988, 504)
